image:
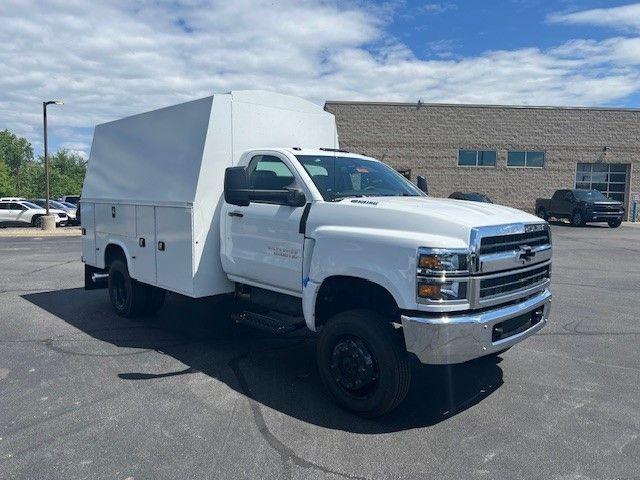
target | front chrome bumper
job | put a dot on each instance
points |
(445, 339)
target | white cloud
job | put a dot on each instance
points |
(623, 17)
(108, 59)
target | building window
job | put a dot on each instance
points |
(477, 158)
(609, 178)
(525, 159)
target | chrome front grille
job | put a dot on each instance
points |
(514, 282)
(507, 243)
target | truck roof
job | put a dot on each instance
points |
(321, 151)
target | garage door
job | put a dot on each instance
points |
(609, 178)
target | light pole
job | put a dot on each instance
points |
(46, 157)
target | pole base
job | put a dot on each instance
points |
(48, 223)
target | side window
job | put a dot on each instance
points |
(568, 197)
(4, 206)
(559, 195)
(267, 172)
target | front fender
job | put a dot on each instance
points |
(381, 258)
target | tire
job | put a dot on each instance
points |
(363, 362)
(615, 222)
(154, 301)
(542, 213)
(577, 220)
(36, 221)
(128, 296)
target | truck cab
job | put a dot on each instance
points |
(308, 236)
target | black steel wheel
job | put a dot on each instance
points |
(615, 222)
(363, 362)
(577, 220)
(128, 296)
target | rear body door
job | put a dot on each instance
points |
(263, 239)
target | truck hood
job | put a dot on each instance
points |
(463, 212)
(425, 221)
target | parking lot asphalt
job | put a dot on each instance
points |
(85, 394)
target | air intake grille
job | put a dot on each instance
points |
(513, 282)
(508, 243)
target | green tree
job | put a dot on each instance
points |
(6, 184)
(16, 152)
(66, 174)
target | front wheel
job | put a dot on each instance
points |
(363, 362)
(577, 220)
(36, 221)
(615, 222)
(542, 213)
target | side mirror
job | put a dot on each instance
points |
(422, 184)
(236, 186)
(296, 198)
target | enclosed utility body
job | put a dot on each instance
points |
(154, 183)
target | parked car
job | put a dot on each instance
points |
(22, 212)
(53, 204)
(307, 236)
(471, 197)
(581, 206)
(73, 199)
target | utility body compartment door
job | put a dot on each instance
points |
(174, 249)
(87, 215)
(144, 264)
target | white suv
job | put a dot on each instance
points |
(21, 212)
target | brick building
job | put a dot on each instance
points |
(513, 154)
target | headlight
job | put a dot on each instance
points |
(437, 261)
(434, 290)
(442, 275)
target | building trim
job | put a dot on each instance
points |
(419, 105)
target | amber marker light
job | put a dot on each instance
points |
(430, 262)
(429, 290)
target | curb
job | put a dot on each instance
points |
(28, 232)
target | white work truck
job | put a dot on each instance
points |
(246, 195)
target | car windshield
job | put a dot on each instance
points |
(30, 205)
(339, 177)
(590, 196)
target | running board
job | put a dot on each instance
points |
(281, 325)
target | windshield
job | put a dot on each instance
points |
(590, 196)
(340, 177)
(30, 205)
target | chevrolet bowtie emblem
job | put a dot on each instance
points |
(525, 253)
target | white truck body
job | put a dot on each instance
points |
(462, 279)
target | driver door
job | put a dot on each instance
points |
(263, 238)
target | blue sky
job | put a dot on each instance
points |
(112, 58)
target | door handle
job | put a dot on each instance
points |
(236, 214)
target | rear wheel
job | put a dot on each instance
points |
(128, 296)
(615, 222)
(577, 220)
(363, 362)
(542, 213)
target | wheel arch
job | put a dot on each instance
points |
(115, 249)
(338, 293)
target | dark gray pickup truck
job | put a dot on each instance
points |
(580, 207)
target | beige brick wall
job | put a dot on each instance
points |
(427, 138)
